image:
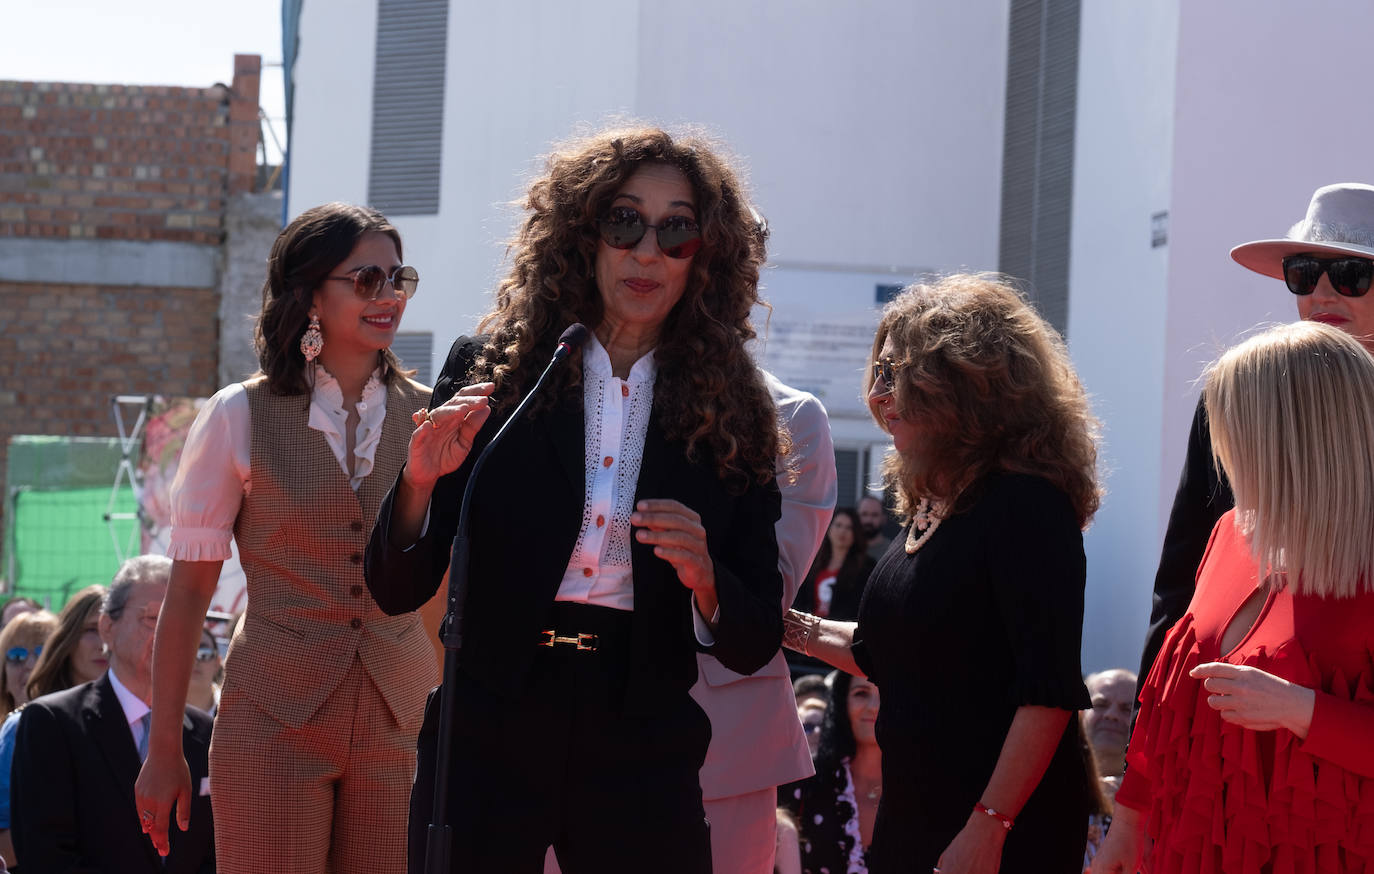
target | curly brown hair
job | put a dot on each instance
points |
(991, 386)
(709, 394)
(304, 253)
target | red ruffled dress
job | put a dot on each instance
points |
(1221, 798)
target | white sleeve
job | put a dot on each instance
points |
(699, 626)
(211, 479)
(808, 500)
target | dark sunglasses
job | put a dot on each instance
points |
(206, 653)
(1349, 276)
(368, 281)
(17, 655)
(886, 373)
(623, 227)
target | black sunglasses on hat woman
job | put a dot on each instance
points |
(1349, 276)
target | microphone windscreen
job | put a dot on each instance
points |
(574, 335)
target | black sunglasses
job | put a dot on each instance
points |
(1349, 276)
(368, 281)
(623, 227)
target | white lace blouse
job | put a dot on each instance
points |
(616, 412)
(214, 472)
(616, 420)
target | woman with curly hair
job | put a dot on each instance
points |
(972, 631)
(624, 522)
(314, 738)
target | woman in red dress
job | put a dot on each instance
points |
(1254, 746)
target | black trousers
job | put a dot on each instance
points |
(564, 762)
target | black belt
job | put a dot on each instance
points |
(585, 627)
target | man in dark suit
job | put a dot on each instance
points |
(78, 752)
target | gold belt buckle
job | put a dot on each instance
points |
(582, 640)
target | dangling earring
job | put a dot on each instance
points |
(312, 341)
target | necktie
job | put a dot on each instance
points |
(146, 722)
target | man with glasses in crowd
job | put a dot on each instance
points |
(1327, 261)
(78, 751)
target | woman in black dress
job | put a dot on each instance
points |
(835, 582)
(973, 630)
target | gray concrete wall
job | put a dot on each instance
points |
(156, 263)
(251, 224)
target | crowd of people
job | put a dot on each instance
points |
(615, 696)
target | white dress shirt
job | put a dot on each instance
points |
(214, 472)
(134, 708)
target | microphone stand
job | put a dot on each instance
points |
(439, 838)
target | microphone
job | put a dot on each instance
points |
(439, 837)
(572, 338)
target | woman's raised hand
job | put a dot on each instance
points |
(443, 436)
(678, 537)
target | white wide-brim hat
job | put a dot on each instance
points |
(1340, 221)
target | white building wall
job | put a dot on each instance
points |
(1258, 128)
(1117, 312)
(1201, 109)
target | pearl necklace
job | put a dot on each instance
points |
(926, 519)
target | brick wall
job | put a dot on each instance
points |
(89, 166)
(65, 350)
(125, 162)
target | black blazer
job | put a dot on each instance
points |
(527, 512)
(72, 789)
(1203, 497)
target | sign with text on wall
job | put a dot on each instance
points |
(824, 354)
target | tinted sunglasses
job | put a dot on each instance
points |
(886, 373)
(17, 655)
(1349, 276)
(368, 281)
(206, 653)
(623, 227)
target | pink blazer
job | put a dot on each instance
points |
(757, 740)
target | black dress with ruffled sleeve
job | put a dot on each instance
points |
(987, 616)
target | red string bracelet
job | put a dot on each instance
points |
(1005, 820)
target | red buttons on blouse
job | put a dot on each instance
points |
(600, 521)
(586, 572)
(606, 462)
(355, 623)
(624, 390)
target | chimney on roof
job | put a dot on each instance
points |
(244, 128)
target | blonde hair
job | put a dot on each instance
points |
(1292, 418)
(30, 630)
(992, 387)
